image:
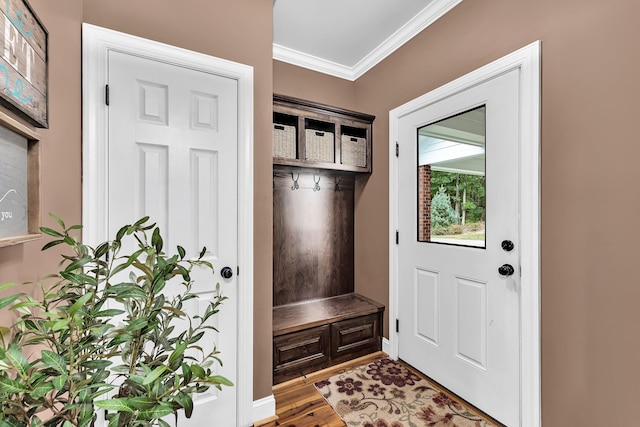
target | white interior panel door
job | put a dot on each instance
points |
(459, 314)
(173, 157)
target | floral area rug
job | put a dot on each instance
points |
(385, 393)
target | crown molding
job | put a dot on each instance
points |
(418, 23)
(304, 60)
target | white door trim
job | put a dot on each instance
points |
(527, 60)
(96, 43)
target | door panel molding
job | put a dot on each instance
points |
(527, 61)
(96, 44)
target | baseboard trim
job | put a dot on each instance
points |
(386, 346)
(264, 409)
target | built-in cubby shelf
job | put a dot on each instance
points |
(315, 135)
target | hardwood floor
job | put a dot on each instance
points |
(298, 403)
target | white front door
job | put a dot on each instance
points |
(173, 157)
(458, 300)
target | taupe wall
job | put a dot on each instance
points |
(60, 155)
(241, 31)
(589, 242)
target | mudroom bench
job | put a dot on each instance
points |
(313, 335)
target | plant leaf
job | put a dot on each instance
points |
(114, 420)
(154, 375)
(112, 312)
(51, 232)
(8, 285)
(218, 379)
(23, 307)
(85, 417)
(187, 403)
(78, 263)
(141, 221)
(8, 300)
(55, 361)
(119, 339)
(97, 364)
(157, 411)
(58, 220)
(198, 371)
(51, 244)
(141, 402)
(18, 360)
(10, 423)
(136, 325)
(41, 390)
(194, 339)
(181, 252)
(80, 303)
(60, 325)
(176, 357)
(126, 290)
(59, 382)
(10, 386)
(102, 249)
(117, 405)
(156, 239)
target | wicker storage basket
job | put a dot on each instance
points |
(354, 151)
(284, 141)
(319, 145)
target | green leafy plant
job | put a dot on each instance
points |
(107, 334)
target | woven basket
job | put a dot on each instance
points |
(284, 141)
(354, 151)
(319, 145)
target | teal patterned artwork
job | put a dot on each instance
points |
(23, 61)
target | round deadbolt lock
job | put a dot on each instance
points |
(507, 245)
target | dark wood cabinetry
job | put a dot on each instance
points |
(314, 335)
(313, 135)
(318, 320)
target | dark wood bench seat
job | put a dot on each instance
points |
(313, 335)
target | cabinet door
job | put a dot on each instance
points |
(356, 337)
(306, 351)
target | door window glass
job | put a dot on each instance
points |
(452, 180)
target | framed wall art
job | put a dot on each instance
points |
(23, 62)
(19, 183)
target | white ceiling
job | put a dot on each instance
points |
(346, 38)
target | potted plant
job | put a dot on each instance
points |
(105, 335)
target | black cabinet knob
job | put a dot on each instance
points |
(226, 272)
(507, 245)
(506, 270)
